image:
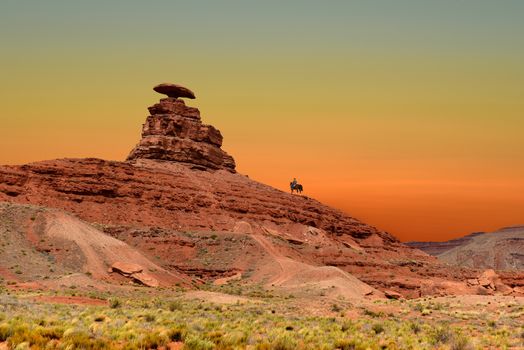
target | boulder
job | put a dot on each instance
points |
(174, 90)
(472, 282)
(518, 290)
(126, 269)
(145, 279)
(501, 288)
(488, 279)
(392, 295)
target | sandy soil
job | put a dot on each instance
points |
(297, 276)
(214, 297)
(70, 300)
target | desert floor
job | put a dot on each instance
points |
(234, 316)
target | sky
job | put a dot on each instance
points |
(408, 115)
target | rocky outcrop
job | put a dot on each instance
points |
(135, 272)
(126, 269)
(174, 132)
(489, 282)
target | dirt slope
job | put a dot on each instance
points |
(41, 244)
(296, 276)
(500, 250)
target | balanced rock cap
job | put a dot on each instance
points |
(174, 90)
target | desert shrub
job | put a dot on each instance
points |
(174, 305)
(345, 344)
(425, 312)
(114, 303)
(177, 333)
(373, 314)
(196, 343)
(377, 328)
(415, 327)
(346, 326)
(234, 339)
(100, 318)
(263, 346)
(418, 307)
(152, 340)
(21, 334)
(336, 308)
(149, 317)
(215, 336)
(80, 340)
(51, 333)
(35, 337)
(284, 342)
(460, 342)
(441, 334)
(5, 332)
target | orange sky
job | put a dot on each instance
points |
(408, 117)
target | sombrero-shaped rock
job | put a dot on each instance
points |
(174, 90)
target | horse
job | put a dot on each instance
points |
(297, 187)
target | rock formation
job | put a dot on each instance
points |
(500, 250)
(179, 180)
(174, 132)
(436, 248)
(173, 90)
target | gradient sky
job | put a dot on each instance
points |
(408, 115)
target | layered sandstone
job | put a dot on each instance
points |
(436, 248)
(178, 180)
(174, 132)
(499, 250)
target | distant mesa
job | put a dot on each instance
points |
(174, 90)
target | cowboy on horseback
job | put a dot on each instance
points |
(295, 186)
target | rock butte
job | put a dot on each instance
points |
(174, 132)
(178, 180)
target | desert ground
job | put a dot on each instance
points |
(236, 316)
